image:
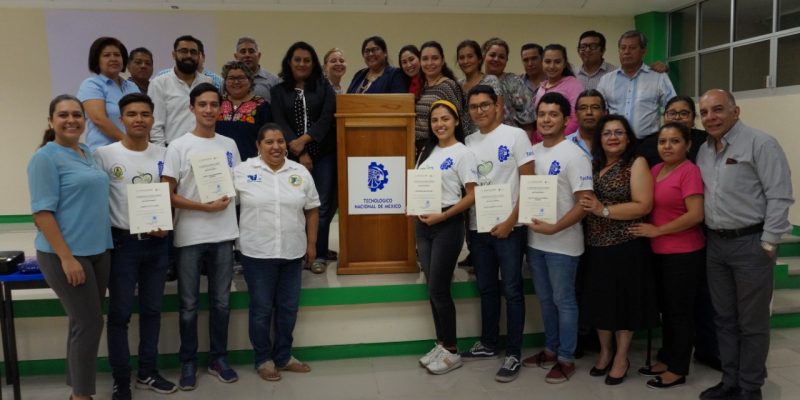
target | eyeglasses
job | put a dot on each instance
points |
(589, 46)
(483, 106)
(185, 51)
(672, 114)
(617, 133)
(372, 50)
(593, 107)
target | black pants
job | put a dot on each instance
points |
(678, 277)
(438, 247)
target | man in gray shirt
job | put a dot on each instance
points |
(248, 53)
(748, 192)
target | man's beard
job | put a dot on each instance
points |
(186, 66)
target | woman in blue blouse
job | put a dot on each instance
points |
(379, 76)
(69, 201)
(101, 92)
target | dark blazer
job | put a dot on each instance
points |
(321, 102)
(393, 80)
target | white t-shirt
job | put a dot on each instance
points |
(458, 165)
(500, 153)
(272, 204)
(191, 226)
(171, 114)
(574, 171)
(123, 167)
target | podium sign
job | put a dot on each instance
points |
(375, 146)
(376, 185)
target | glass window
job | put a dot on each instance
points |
(681, 72)
(715, 24)
(683, 24)
(751, 66)
(714, 70)
(788, 49)
(753, 18)
(789, 11)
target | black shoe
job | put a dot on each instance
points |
(600, 371)
(612, 381)
(509, 371)
(657, 383)
(720, 391)
(479, 351)
(648, 371)
(121, 390)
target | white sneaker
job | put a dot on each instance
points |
(444, 362)
(427, 358)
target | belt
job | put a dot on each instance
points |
(129, 235)
(735, 233)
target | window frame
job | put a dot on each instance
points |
(731, 44)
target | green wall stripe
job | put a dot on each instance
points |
(309, 297)
(15, 219)
(654, 26)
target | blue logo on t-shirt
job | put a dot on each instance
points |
(555, 168)
(446, 164)
(503, 153)
(160, 168)
(229, 155)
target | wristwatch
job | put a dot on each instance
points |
(770, 247)
(606, 211)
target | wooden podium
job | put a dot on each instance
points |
(372, 125)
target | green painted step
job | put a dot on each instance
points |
(783, 280)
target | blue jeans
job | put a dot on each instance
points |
(218, 259)
(143, 264)
(490, 255)
(324, 174)
(272, 283)
(554, 281)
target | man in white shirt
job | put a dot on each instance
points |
(170, 92)
(503, 153)
(635, 90)
(554, 248)
(204, 235)
(247, 52)
(138, 261)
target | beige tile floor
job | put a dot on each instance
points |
(395, 378)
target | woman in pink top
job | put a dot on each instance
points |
(560, 79)
(678, 242)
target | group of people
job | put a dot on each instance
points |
(629, 249)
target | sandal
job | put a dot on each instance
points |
(295, 365)
(268, 372)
